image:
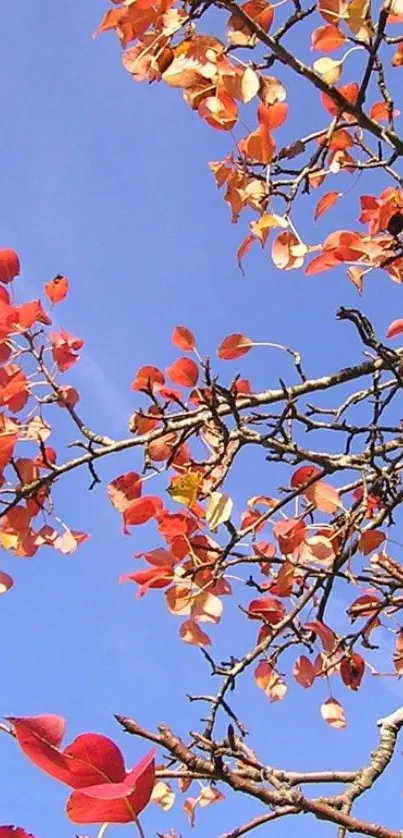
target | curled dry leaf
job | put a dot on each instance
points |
(163, 795)
(219, 510)
(333, 713)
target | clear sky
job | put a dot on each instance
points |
(107, 181)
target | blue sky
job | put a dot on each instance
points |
(107, 181)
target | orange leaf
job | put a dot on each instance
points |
(219, 112)
(324, 497)
(288, 252)
(258, 146)
(397, 60)
(326, 202)
(333, 713)
(327, 38)
(184, 372)
(370, 540)
(191, 633)
(381, 113)
(272, 116)
(267, 680)
(234, 346)
(146, 377)
(56, 290)
(183, 338)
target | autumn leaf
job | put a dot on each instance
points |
(304, 671)
(183, 338)
(57, 289)
(185, 489)
(352, 670)
(184, 372)
(327, 38)
(191, 633)
(395, 329)
(6, 582)
(234, 346)
(219, 510)
(325, 203)
(332, 712)
(9, 265)
(269, 681)
(163, 795)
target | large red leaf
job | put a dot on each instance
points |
(116, 802)
(39, 737)
(93, 758)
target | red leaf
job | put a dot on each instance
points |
(266, 608)
(290, 534)
(39, 738)
(6, 582)
(351, 670)
(142, 510)
(150, 577)
(9, 265)
(184, 372)
(370, 540)
(111, 803)
(395, 329)
(56, 290)
(325, 633)
(234, 346)
(303, 475)
(93, 758)
(304, 671)
(64, 349)
(14, 832)
(124, 489)
(183, 338)
(326, 202)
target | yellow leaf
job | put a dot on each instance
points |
(9, 541)
(357, 19)
(184, 489)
